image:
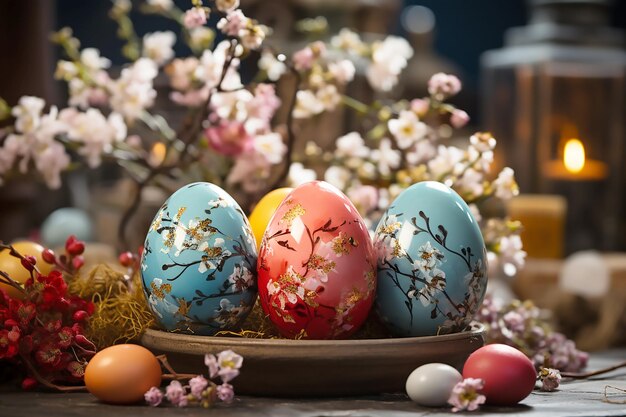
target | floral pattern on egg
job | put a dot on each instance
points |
(428, 284)
(316, 265)
(199, 262)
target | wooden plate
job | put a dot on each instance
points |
(288, 368)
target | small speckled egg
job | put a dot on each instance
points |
(431, 384)
(198, 266)
(121, 374)
(317, 269)
(431, 262)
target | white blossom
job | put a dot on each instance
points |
(158, 46)
(251, 170)
(93, 62)
(386, 157)
(343, 71)
(352, 146)
(271, 146)
(298, 174)
(471, 182)
(200, 37)
(133, 92)
(389, 58)
(272, 66)
(422, 151)
(307, 105)
(511, 251)
(28, 113)
(329, 97)
(505, 185)
(446, 162)
(407, 129)
(348, 41)
(337, 176)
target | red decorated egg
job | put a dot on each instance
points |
(316, 267)
(508, 374)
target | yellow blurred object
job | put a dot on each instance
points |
(264, 210)
(13, 266)
(543, 220)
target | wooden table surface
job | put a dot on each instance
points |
(575, 398)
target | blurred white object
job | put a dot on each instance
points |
(586, 274)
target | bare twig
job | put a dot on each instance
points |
(584, 375)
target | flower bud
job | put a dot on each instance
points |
(29, 383)
(78, 262)
(75, 248)
(126, 259)
(29, 262)
(80, 315)
(48, 256)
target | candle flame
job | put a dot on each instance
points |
(574, 156)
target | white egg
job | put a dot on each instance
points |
(431, 384)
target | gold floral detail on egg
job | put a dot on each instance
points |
(320, 263)
(397, 250)
(292, 213)
(343, 244)
(390, 229)
(183, 307)
(309, 298)
(156, 223)
(171, 236)
(212, 252)
(160, 290)
(354, 296)
(198, 231)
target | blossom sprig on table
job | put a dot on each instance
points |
(522, 325)
(466, 395)
(42, 331)
(200, 390)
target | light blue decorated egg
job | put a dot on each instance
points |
(198, 266)
(432, 262)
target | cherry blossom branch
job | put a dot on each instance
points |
(291, 137)
(188, 134)
(15, 253)
(43, 381)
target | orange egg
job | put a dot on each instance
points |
(13, 266)
(121, 374)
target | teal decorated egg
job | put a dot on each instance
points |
(432, 262)
(198, 266)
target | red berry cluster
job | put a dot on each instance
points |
(44, 329)
(69, 262)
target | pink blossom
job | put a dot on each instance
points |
(197, 385)
(225, 392)
(251, 170)
(175, 393)
(229, 138)
(195, 17)
(442, 86)
(303, 59)
(264, 103)
(364, 197)
(153, 397)
(234, 22)
(229, 363)
(459, 118)
(211, 362)
(465, 395)
(420, 106)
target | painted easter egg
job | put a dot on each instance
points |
(198, 266)
(317, 267)
(431, 262)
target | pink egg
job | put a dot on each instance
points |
(508, 374)
(317, 269)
